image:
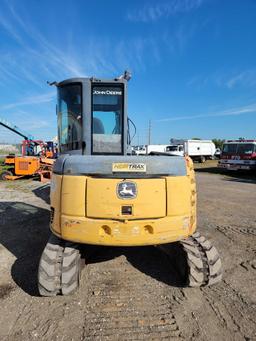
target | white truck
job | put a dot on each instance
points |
(157, 148)
(139, 150)
(198, 150)
(147, 149)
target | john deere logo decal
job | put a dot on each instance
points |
(126, 190)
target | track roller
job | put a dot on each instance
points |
(59, 268)
(196, 260)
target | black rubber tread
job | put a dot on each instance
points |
(204, 264)
(59, 268)
(71, 269)
(49, 271)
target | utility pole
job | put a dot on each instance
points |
(149, 132)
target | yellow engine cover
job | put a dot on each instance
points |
(146, 198)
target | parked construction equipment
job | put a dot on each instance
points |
(100, 195)
(35, 160)
(23, 166)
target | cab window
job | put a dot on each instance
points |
(70, 117)
(107, 115)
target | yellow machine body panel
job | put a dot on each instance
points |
(88, 210)
(73, 195)
(150, 201)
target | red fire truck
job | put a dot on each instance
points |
(238, 154)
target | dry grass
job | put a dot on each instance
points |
(206, 164)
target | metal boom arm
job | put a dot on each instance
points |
(15, 129)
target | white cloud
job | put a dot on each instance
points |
(45, 56)
(244, 78)
(231, 112)
(225, 79)
(37, 59)
(37, 99)
(150, 13)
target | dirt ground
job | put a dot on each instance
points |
(131, 293)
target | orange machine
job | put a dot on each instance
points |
(28, 166)
(49, 154)
(9, 160)
(21, 166)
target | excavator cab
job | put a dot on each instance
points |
(92, 117)
(101, 195)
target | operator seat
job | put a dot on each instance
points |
(98, 127)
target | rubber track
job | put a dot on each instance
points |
(59, 268)
(70, 275)
(204, 264)
(49, 272)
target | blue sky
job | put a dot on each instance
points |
(193, 62)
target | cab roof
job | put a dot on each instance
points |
(92, 80)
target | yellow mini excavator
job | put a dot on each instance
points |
(102, 195)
